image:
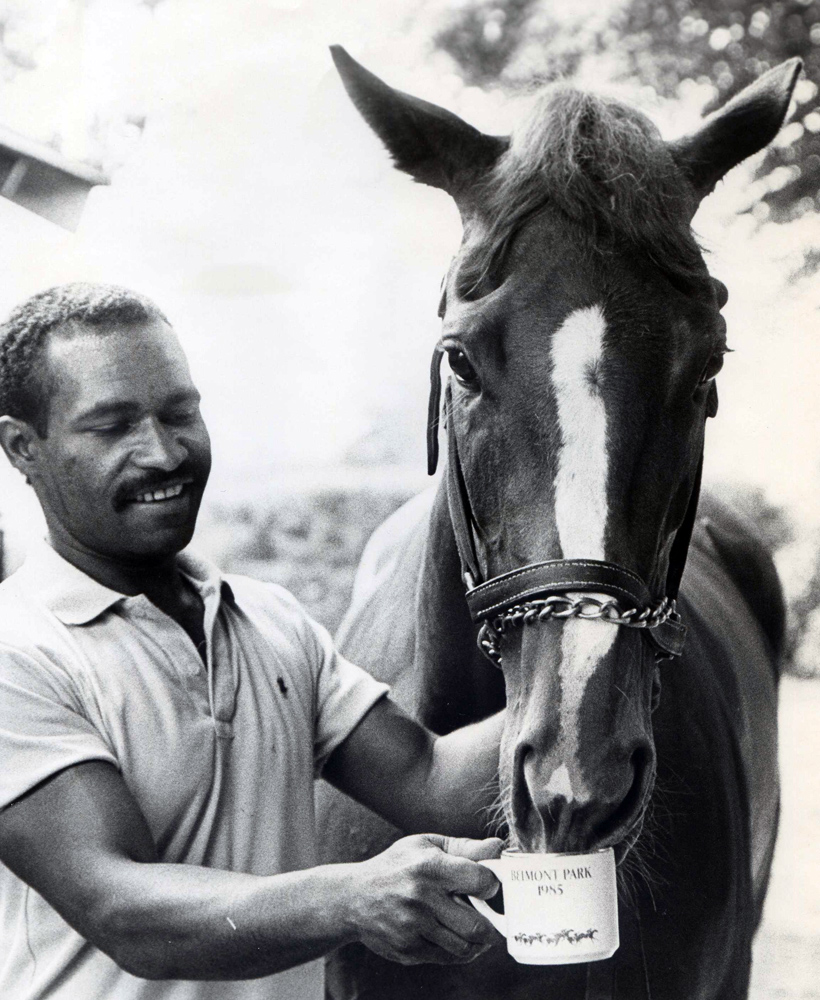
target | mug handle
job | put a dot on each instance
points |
(498, 920)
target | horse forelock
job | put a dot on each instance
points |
(601, 164)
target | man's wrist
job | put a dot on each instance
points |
(328, 896)
(344, 895)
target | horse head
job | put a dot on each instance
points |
(584, 334)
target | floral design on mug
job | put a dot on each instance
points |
(570, 936)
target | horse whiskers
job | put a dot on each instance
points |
(495, 814)
(637, 870)
(505, 800)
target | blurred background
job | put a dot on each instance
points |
(302, 272)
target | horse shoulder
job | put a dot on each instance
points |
(737, 603)
(385, 545)
(378, 631)
(738, 545)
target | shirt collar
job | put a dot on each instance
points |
(76, 599)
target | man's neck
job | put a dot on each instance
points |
(160, 581)
(149, 577)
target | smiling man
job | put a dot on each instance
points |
(161, 725)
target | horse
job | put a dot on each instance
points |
(584, 336)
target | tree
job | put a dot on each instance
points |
(667, 45)
(25, 25)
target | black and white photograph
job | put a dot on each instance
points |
(409, 500)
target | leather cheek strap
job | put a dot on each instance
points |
(434, 411)
(669, 637)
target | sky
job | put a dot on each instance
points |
(300, 270)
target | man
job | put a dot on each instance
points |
(161, 726)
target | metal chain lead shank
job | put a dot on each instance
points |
(561, 607)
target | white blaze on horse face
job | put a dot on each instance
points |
(580, 483)
(580, 503)
(560, 783)
(584, 644)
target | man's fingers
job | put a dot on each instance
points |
(451, 941)
(459, 871)
(467, 878)
(465, 847)
(475, 850)
(457, 915)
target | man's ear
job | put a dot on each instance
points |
(737, 130)
(19, 441)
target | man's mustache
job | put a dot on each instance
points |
(127, 492)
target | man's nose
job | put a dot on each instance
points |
(159, 447)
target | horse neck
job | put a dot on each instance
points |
(458, 684)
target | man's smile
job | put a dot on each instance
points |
(161, 493)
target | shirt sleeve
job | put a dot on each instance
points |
(345, 693)
(42, 728)
(342, 692)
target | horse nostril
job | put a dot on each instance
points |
(522, 803)
(624, 817)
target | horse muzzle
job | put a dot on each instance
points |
(578, 759)
(559, 812)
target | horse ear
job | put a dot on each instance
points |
(737, 130)
(432, 145)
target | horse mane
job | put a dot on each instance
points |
(604, 166)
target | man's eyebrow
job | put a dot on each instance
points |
(107, 408)
(121, 408)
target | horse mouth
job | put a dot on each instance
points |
(622, 848)
(537, 824)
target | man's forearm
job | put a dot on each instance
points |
(168, 921)
(418, 781)
(462, 780)
(80, 840)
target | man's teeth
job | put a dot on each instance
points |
(172, 491)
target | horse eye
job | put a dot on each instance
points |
(712, 368)
(462, 369)
(721, 291)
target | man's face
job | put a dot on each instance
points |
(126, 456)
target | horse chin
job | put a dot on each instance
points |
(623, 848)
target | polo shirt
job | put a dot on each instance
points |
(220, 755)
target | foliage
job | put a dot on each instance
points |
(309, 543)
(42, 68)
(26, 25)
(483, 38)
(670, 46)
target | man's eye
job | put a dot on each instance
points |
(462, 369)
(112, 429)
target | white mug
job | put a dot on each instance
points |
(559, 908)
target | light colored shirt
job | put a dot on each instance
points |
(220, 756)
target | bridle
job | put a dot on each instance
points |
(541, 591)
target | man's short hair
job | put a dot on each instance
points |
(69, 308)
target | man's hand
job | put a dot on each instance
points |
(406, 904)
